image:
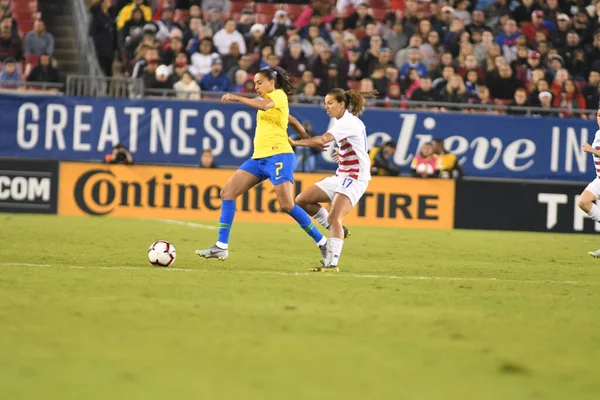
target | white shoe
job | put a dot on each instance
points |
(595, 254)
(214, 252)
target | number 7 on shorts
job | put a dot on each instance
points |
(279, 167)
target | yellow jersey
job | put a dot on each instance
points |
(446, 162)
(271, 136)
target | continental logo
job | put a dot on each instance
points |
(99, 192)
(194, 194)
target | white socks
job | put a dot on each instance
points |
(322, 216)
(594, 213)
(335, 246)
(322, 242)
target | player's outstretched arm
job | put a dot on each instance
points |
(316, 142)
(589, 149)
(298, 127)
(259, 104)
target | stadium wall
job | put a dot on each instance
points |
(175, 132)
(174, 192)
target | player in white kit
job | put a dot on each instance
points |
(352, 177)
(592, 192)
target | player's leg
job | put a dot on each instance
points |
(340, 207)
(280, 170)
(240, 182)
(321, 192)
(586, 203)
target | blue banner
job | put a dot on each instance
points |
(175, 132)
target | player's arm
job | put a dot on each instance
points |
(589, 149)
(259, 104)
(316, 142)
(298, 127)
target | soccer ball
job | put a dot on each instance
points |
(161, 253)
(427, 168)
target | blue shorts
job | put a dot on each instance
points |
(278, 168)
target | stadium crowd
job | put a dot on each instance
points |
(25, 56)
(521, 53)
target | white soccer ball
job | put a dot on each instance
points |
(426, 168)
(161, 253)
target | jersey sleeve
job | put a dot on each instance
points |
(339, 130)
(279, 98)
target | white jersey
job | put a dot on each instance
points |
(596, 146)
(351, 136)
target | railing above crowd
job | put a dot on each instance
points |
(119, 87)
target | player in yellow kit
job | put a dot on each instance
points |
(273, 159)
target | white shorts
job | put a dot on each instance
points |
(351, 188)
(594, 187)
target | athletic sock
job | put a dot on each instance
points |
(594, 213)
(322, 217)
(306, 223)
(336, 245)
(225, 222)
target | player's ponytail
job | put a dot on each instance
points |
(355, 101)
(282, 79)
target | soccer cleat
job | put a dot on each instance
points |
(595, 254)
(324, 249)
(214, 252)
(347, 233)
(322, 268)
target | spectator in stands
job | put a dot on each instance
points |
(480, 50)
(193, 35)
(367, 42)
(522, 13)
(507, 40)
(179, 66)
(44, 71)
(382, 160)
(162, 81)
(415, 41)
(133, 29)
(10, 46)
(103, 32)
(424, 163)
(370, 58)
(213, 20)
(558, 36)
(306, 157)
(10, 76)
(307, 76)
(203, 60)
(503, 84)
(246, 22)
(239, 81)
(519, 101)
(257, 39)
(536, 25)
(278, 25)
(148, 74)
(360, 18)
(273, 60)
(5, 15)
(39, 41)
(216, 80)
(455, 91)
(217, 5)
(447, 165)
(478, 22)
(151, 57)
(294, 61)
(540, 86)
(545, 98)
(173, 48)
(126, 13)
(119, 155)
(231, 59)
(425, 91)
(414, 62)
(226, 36)
(332, 81)
(397, 39)
(319, 65)
(569, 98)
(244, 63)
(309, 91)
(432, 51)
(316, 21)
(166, 24)
(207, 159)
(591, 91)
(187, 87)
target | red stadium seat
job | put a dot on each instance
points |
(238, 6)
(293, 10)
(181, 15)
(263, 18)
(267, 8)
(354, 85)
(379, 13)
(378, 3)
(32, 59)
(397, 5)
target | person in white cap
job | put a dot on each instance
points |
(592, 191)
(226, 36)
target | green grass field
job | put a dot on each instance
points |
(414, 314)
